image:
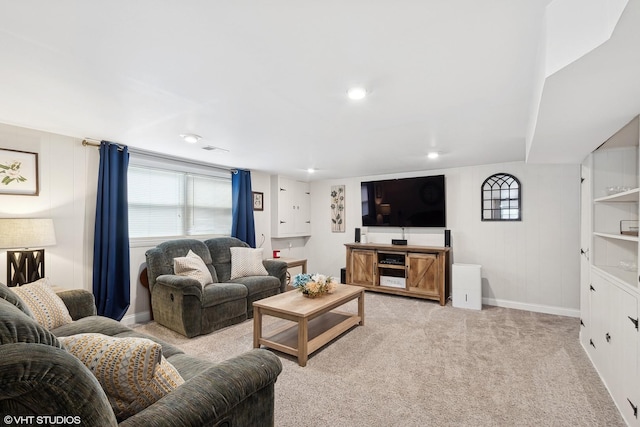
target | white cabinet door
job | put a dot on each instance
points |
(303, 208)
(628, 396)
(290, 208)
(599, 345)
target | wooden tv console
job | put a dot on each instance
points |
(414, 271)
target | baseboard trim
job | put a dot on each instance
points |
(538, 308)
(132, 319)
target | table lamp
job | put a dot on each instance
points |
(25, 265)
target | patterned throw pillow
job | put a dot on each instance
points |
(192, 266)
(132, 371)
(246, 262)
(46, 307)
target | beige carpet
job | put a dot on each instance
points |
(415, 363)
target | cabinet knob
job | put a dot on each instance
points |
(607, 337)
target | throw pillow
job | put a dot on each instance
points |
(246, 262)
(131, 370)
(192, 266)
(46, 307)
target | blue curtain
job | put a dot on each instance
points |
(111, 281)
(242, 226)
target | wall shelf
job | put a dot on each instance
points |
(625, 196)
(616, 236)
(627, 277)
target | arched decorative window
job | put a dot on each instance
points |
(501, 198)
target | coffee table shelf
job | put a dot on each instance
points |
(316, 321)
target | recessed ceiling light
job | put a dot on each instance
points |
(191, 138)
(356, 93)
(433, 155)
(311, 170)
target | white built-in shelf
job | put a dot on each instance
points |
(616, 236)
(625, 196)
(629, 278)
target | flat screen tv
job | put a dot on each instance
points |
(405, 202)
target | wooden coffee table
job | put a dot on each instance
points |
(317, 322)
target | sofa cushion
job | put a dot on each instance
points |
(132, 371)
(246, 262)
(258, 284)
(222, 293)
(221, 255)
(91, 324)
(7, 294)
(160, 259)
(17, 327)
(47, 308)
(194, 267)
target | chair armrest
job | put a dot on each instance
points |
(41, 380)
(184, 285)
(239, 389)
(277, 269)
(80, 303)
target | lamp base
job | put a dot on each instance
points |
(24, 266)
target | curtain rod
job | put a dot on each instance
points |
(88, 142)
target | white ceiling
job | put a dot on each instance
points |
(267, 81)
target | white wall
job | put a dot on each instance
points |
(532, 264)
(68, 182)
(68, 185)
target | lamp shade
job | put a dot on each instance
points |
(26, 233)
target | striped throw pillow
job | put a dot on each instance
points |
(46, 307)
(132, 371)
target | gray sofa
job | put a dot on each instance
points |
(39, 378)
(181, 304)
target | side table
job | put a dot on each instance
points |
(292, 263)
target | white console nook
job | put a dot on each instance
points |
(609, 279)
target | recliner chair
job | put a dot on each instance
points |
(181, 304)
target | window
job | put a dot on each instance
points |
(165, 202)
(501, 195)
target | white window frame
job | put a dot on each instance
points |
(164, 163)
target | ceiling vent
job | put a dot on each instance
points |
(212, 148)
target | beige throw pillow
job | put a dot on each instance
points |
(47, 308)
(247, 262)
(192, 266)
(132, 371)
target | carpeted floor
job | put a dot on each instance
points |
(415, 363)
